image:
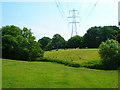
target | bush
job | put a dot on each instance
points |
(67, 63)
(92, 64)
(110, 53)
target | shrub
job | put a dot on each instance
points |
(96, 64)
(67, 63)
(110, 53)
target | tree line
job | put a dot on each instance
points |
(20, 43)
(92, 38)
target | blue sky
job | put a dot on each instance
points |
(44, 18)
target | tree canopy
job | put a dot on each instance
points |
(96, 35)
(19, 44)
(44, 41)
(92, 38)
(75, 42)
(58, 41)
(118, 36)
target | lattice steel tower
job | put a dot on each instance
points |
(73, 21)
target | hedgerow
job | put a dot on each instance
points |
(67, 63)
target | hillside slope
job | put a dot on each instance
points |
(23, 74)
(75, 55)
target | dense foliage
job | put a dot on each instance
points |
(96, 35)
(92, 38)
(118, 36)
(57, 42)
(110, 53)
(19, 44)
(75, 42)
(44, 41)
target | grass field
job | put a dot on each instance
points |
(24, 74)
(74, 55)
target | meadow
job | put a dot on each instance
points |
(74, 55)
(25, 74)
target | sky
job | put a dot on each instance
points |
(49, 17)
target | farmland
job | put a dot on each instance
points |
(24, 74)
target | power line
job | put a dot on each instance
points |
(90, 11)
(59, 6)
(59, 9)
(87, 8)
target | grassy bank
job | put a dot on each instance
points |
(24, 74)
(74, 55)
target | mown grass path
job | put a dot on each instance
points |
(23, 74)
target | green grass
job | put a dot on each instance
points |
(24, 74)
(74, 55)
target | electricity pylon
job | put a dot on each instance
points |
(74, 21)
